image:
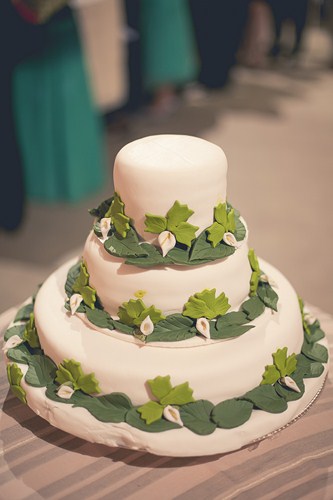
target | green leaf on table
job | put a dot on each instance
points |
(232, 413)
(125, 247)
(134, 419)
(102, 209)
(109, 408)
(265, 398)
(24, 312)
(196, 417)
(30, 332)
(173, 328)
(81, 286)
(206, 304)
(41, 371)
(70, 371)
(315, 352)
(267, 295)
(151, 412)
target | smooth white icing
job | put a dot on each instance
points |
(215, 371)
(168, 288)
(150, 174)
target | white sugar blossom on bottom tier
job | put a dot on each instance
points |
(290, 383)
(202, 325)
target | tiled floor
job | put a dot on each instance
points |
(276, 127)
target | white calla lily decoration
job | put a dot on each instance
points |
(105, 225)
(202, 325)
(147, 326)
(74, 302)
(172, 415)
(290, 383)
(65, 391)
(13, 341)
(230, 240)
(167, 242)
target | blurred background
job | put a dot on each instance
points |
(81, 79)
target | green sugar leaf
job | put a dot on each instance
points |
(151, 412)
(102, 209)
(215, 233)
(126, 247)
(30, 333)
(24, 312)
(265, 398)
(315, 333)
(155, 224)
(81, 286)
(89, 296)
(160, 386)
(14, 330)
(202, 250)
(231, 319)
(229, 331)
(99, 318)
(116, 207)
(315, 352)
(154, 314)
(289, 394)
(110, 408)
(254, 282)
(19, 354)
(231, 224)
(70, 371)
(118, 217)
(173, 328)
(271, 375)
(134, 419)
(14, 374)
(180, 255)
(154, 258)
(78, 398)
(42, 371)
(291, 364)
(130, 312)
(72, 276)
(280, 360)
(240, 230)
(220, 214)
(129, 330)
(205, 304)
(253, 308)
(19, 392)
(185, 233)
(253, 261)
(232, 413)
(177, 214)
(267, 295)
(196, 417)
(179, 395)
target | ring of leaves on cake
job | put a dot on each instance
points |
(176, 403)
(219, 323)
(120, 238)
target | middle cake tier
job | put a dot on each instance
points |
(167, 288)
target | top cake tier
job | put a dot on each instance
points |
(151, 173)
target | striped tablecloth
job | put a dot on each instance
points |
(39, 461)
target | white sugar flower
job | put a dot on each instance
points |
(13, 341)
(75, 302)
(167, 242)
(147, 326)
(289, 382)
(266, 279)
(172, 414)
(230, 240)
(105, 225)
(308, 316)
(65, 391)
(202, 325)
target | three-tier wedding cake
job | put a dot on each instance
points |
(168, 334)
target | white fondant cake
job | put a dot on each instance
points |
(192, 348)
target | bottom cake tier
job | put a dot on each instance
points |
(188, 398)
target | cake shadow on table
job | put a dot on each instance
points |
(168, 335)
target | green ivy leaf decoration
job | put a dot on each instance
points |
(15, 375)
(160, 386)
(229, 331)
(99, 317)
(151, 412)
(30, 333)
(118, 218)
(316, 333)
(254, 280)
(265, 398)
(70, 371)
(109, 408)
(173, 328)
(134, 419)
(24, 312)
(102, 209)
(41, 371)
(253, 308)
(153, 258)
(224, 222)
(175, 221)
(126, 247)
(14, 330)
(134, 312)
(205, 304)
(196, 417)
(287, 393)
(179, 395)
(283, 365)
(232, 413)
(309, 368)
(267, 295)
(19, 354)
(81, 286)
(315, 352)
(72, 276)
(203, 251)
(306, 327)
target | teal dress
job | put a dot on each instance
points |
(168, 47)
(58, 129)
